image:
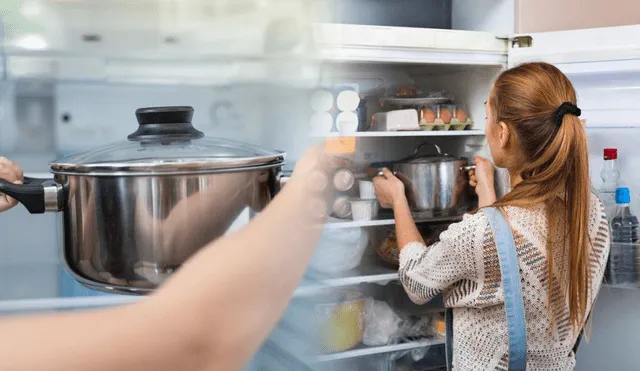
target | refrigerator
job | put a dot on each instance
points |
(92, 94)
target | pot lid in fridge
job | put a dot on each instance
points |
(418, 158)
(167, 143)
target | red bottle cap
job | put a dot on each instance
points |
(610, 153)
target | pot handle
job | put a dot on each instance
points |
(37, 195)
(425, 144)
(468, 168)
(283, 179)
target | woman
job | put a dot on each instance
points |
(213, 314)
(559, 229)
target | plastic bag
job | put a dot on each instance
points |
(340, 250)
(381, 324)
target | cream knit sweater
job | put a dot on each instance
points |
(464, 266)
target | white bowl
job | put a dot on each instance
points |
(367, 190)
(364, 209)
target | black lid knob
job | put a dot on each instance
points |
(165, 123)
(164, 115)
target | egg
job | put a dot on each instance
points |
(445, 115)
(460, 115)
(428, 115)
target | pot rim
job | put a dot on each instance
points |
(169, 167)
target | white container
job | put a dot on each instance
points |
(348, 100)
(364, 209)
(321, 122)
(347, 122)
(405, 119)
(367, 190)
(321, 101)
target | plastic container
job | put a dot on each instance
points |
(321, 100)
(348, 100)
(444, 117)
(367, 190)
(347, 122)
(341, 322)
(624, 236)
(364, 209)
(321, 122)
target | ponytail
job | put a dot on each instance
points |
(529, 99)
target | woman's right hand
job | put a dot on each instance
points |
(11, 173)
(389, 189)
(482, 179)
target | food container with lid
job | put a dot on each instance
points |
(364, 209)
(133, 211)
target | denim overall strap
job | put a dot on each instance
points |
(513, 302)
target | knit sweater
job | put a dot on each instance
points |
(464, 267)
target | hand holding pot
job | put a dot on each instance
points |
(10, 172)
(482, 179)
(389, 189)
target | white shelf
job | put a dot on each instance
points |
(51, 304)
(366, 273)
(359, 223)
(370, 134)
(367, 351)
(362, 43)
(383, 222)
(362, 274)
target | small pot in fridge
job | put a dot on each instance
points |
(134, 211)
(434, 182)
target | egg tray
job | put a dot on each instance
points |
(467, 125)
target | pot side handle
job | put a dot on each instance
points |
(37, 195)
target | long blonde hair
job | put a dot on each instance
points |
(554, 171)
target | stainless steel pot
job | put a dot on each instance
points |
(433, 182)
(134, 211)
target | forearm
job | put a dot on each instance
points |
(245, 281)
(406, 229)
(124, 338)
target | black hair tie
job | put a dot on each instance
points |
(566, 108)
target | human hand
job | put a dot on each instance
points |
(12, 173)
(482, 179)
(389, 189)
(312, 175)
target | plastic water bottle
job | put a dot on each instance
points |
(624, 233)
(610, 181)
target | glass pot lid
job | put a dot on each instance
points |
(167, 143)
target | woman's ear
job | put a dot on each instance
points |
(505, 135)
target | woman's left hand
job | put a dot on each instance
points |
(389, 189)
